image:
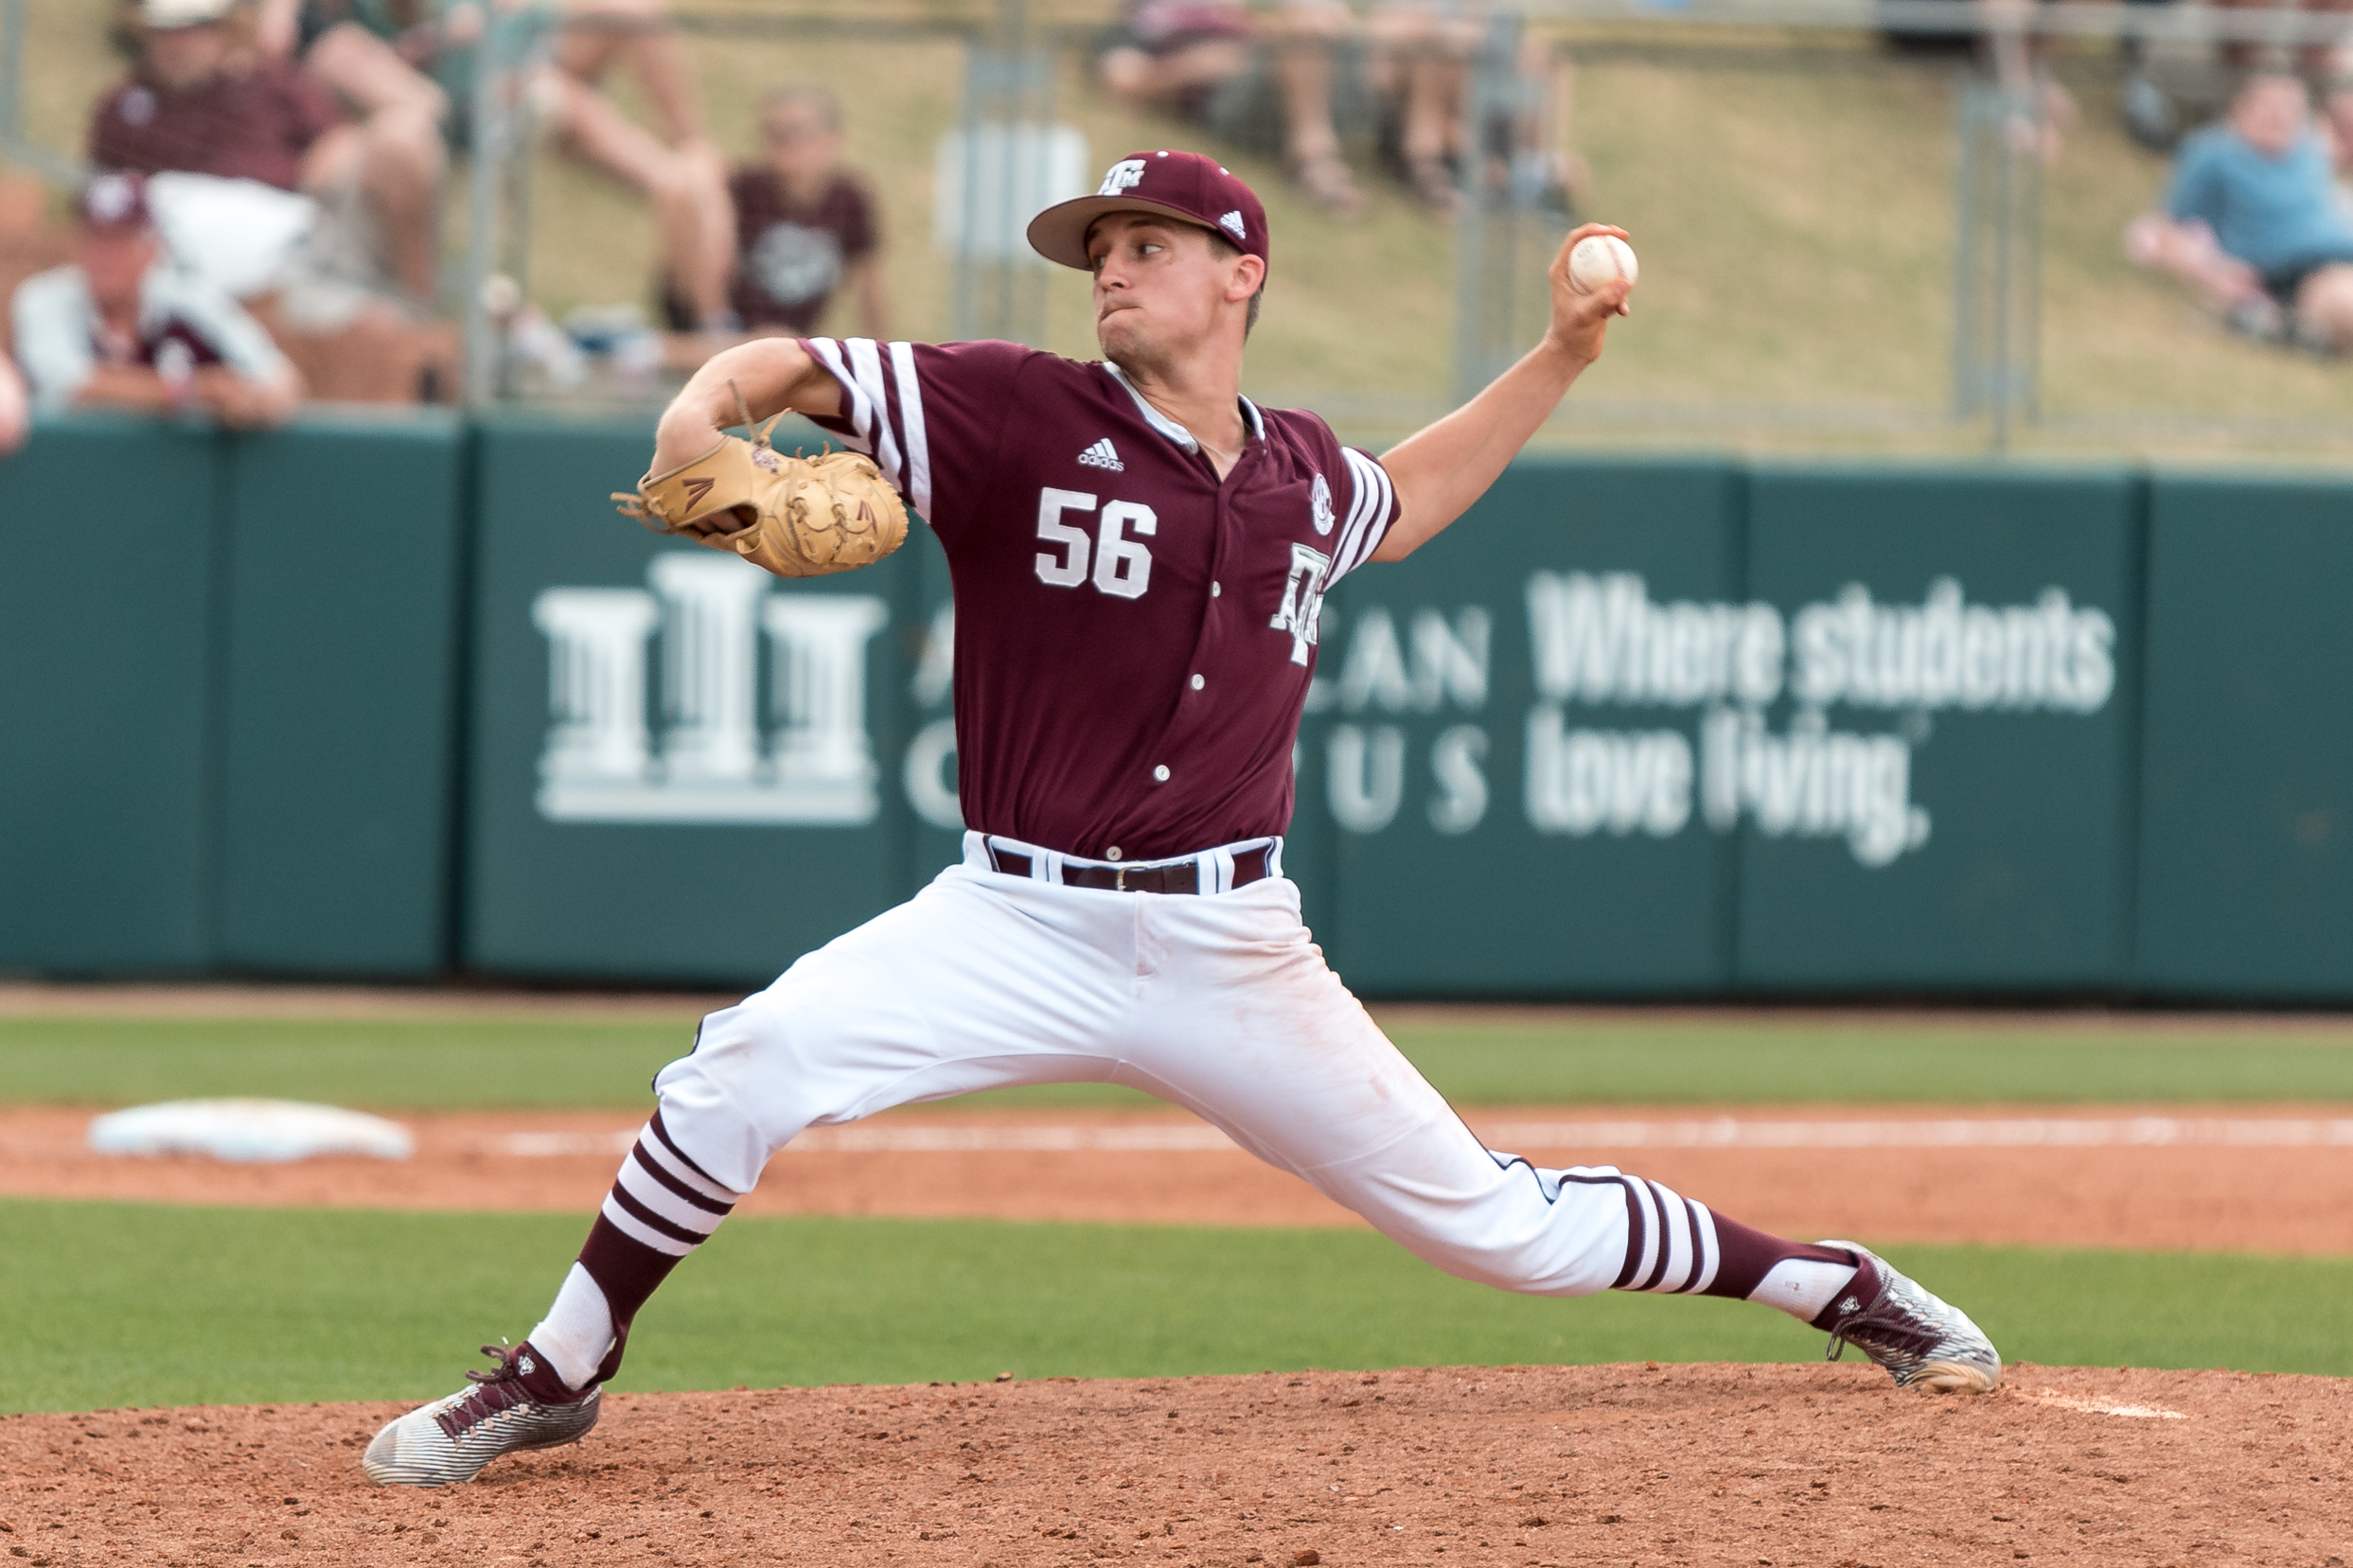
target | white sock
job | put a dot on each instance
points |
(1799, 1286)
(577, 1330)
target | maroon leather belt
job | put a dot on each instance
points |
(1181, 876)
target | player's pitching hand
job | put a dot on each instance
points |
(1580, 316)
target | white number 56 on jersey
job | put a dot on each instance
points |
(1123, 566)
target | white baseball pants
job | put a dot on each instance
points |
(1219, 1003)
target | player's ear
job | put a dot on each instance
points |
(1248, 273)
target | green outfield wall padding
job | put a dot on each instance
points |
(108, 627)
(1505, 790)
(339, 717)
(681, 768)
(2246, 844)
(389, 697)
(1941, 797)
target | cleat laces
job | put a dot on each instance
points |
(498, 1389)
(1899, 1329)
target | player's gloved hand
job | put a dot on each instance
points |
(792, 516)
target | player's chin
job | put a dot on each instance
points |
(1117, 333)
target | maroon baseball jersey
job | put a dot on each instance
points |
(251, 126)
(794, 257)
(1133, 638)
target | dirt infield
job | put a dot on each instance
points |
(1825, 1466)
(2232, 1179)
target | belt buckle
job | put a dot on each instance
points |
(1118, 879)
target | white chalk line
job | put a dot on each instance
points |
(1944, 1133)
(1716, 1132)
(2093, 1407)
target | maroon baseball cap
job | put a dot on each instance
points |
(1189, 186)
(116, 200)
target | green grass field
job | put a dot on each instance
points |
(110, 1304)
(505, 1061)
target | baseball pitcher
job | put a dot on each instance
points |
(1138, 554)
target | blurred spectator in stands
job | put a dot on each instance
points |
(122, 328)
(2041, 111)
(677, 165)
(1193, 58)
(2253, 223)
(15, 410)
(1421, 73)
(385, 55)
(2180, 80)
(28, 245)
(403, 56)
(199, 102)
(806, 224)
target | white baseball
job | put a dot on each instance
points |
(1598, 258)
(501, 295)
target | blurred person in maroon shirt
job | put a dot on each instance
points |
(199, 102)
(122, 327)
(806, 230)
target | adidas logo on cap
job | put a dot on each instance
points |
(1100, 455)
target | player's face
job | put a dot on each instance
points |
(114, 261)
(800, 145)
(188, 57)
(1159, 288)
(2273, 114)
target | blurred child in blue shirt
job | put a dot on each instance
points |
(2254, 222)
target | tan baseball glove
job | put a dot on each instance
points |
(792, 516)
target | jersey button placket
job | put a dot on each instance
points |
(1189, 713)
(1222, 529)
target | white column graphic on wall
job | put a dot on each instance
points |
(596, 684)
(710, 635)
(823, 757)
(706, 616)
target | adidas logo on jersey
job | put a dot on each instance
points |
(1100, 455)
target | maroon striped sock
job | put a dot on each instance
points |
(1676, 1245)
(661, 1207)
(1749, 1256)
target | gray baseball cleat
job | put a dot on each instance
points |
(522, 1404)
(1921, 1339)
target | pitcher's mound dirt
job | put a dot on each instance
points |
(1777, 1465)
